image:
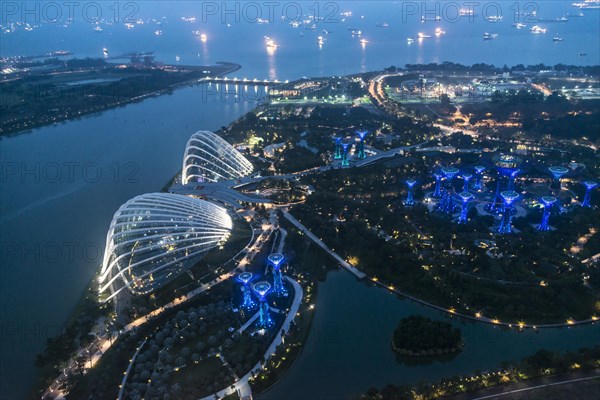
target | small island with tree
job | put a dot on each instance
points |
(417, 336)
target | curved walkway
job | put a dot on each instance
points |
(242, 387)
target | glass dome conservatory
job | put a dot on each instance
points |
(209, 158)
(154, 237)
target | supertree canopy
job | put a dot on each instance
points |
(589, 186)
(509, 198)
(410, 198)
(478, 175)
(465, 197)
(245, 278)
(548, 202)
(361, 143)
(276, 261)
(264, 317)
(345, 149)
(558, 172)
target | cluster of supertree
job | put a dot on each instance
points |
(445, 191)
(505, 196)
(262, 289)
(342, 148)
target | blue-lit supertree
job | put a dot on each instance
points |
(511, 179)
(465, 197)
(446, 205)
(478, 177)
(558, 173)
(438, 184)
(494, 206)
(345, 148)
(410, 197)
(247, 302)
(548, 202)
(338, 147)
(506, 221)
(361, 143)
(264, 317)
(466, 178)
(276, 261)
(507, 167)
(589, 186)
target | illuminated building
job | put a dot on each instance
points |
(155, 237)
(209, 158)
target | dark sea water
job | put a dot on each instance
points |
(61, 184)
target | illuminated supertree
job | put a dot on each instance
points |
(247, 302)
(558, 173)
(511, 179)
(446, 205)
(589, 186)
(507, 167)
(478, 176)
(466, 179)
(410, 198)
(548, 202)
(438, 186)
(345, 148)
(264, 317)
(506, 221)
(361, 143)
(494, 206)
(338, 148)
(276, 260)
(465, 197)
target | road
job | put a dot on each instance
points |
(502, 392)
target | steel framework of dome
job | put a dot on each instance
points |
(154, 237)
(209, 158)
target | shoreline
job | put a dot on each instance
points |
(132, 100)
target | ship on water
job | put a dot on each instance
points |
(489, 36)
(537, 29)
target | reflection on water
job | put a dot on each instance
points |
(351, 333)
